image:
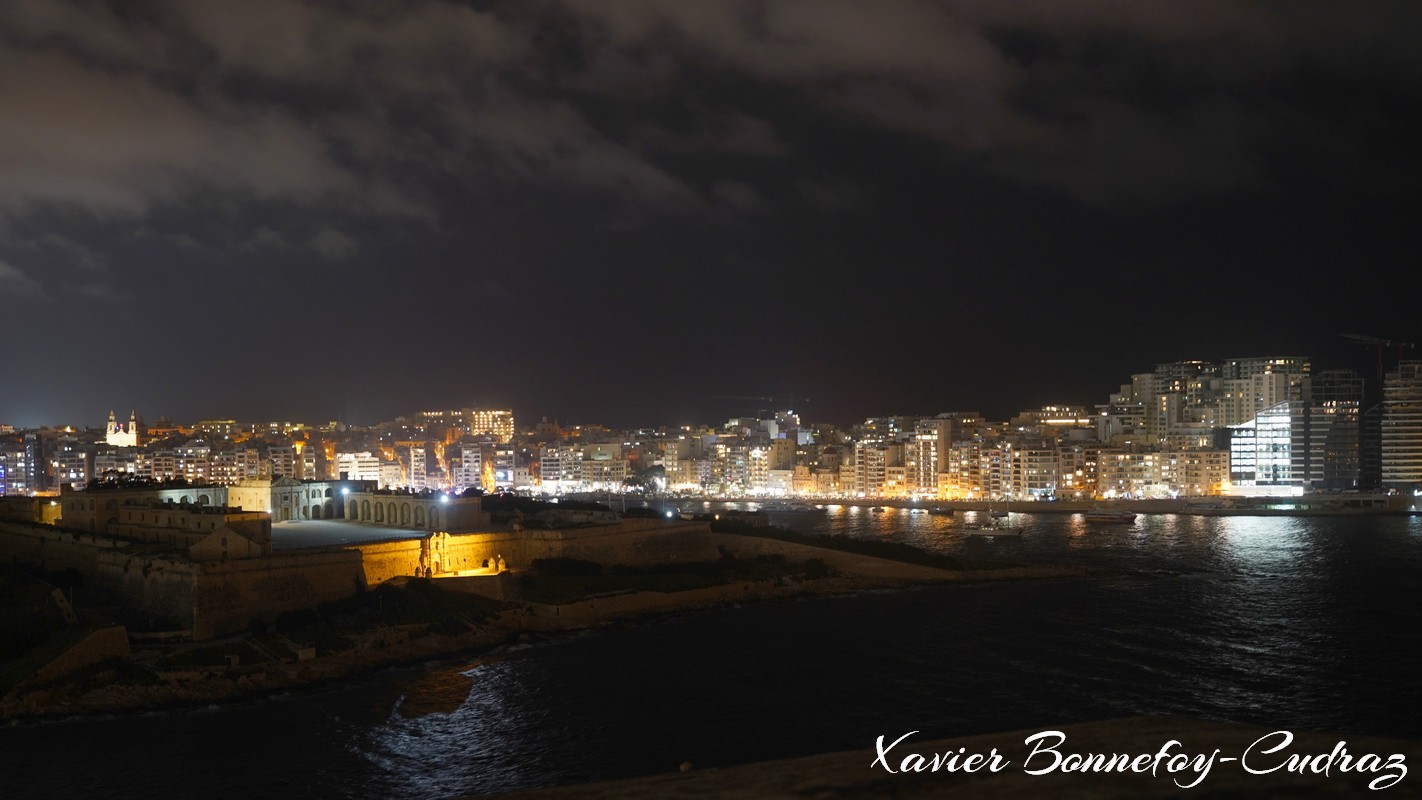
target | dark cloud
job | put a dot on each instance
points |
(15, 283)
(542, 178)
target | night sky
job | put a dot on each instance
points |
(639, 212)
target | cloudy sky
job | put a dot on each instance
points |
(642, 212)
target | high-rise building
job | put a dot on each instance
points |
(1261, 453)
(70, 462)
(1402, 427)
(498, 423)
(931, 440)
(362, 466)
(1327, 455)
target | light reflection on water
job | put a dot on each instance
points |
(1308, 623)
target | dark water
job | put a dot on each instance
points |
(1296, 623)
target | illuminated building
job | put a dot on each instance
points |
(931, 438)
(120, 436)
(777, 455)
(872, 460)
(602, 475)
(412, 461)
(286, 498)
(505, 474)
(558, 466)
(70, 463)
(391, 474)
(1034, 471)
(215, 428)
(115, 461)
(362, 466)
(1327, 444)
(1132, 474)
(732, 460)
(12, 465)
(428, 511)
(1402, 427)
(498, 423)
(231, 466)
(1261, 454)
(283, 459)
(1195, 473)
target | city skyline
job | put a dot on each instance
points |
(1251, 425)
(626, 209)
(1363, 364)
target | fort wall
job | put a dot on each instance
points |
(217, 598)
(53, 549)
(851, 563)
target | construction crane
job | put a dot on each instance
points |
(792, 400)
(781, 402)
(1380, 343)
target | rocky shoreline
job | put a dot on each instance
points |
(411, 644)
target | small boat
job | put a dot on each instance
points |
(942, 512)
(877, 509)
(1108, 515)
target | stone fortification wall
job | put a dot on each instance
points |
(96, 646)
(23, 508)
(637, 542)
(851, 563)
(228, 595)
(161, 585)
(633, 542)
(381, 561)
(216, 598)
(640, 542)
(493, 586)
(52, 548)
(212, 598)
(595, 610)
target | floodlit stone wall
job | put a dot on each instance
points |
(217, 598)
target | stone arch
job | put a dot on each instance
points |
(352, 511)
(305, 512)
(379, 512)
(186, 499)
(204, 499)
(404, 513)
(391, 515)
(315, 511)
(330, 509)
(365, 510)
(419, 516)
(330, 492)
(434, 518)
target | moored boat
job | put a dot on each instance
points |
(1109, 515)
